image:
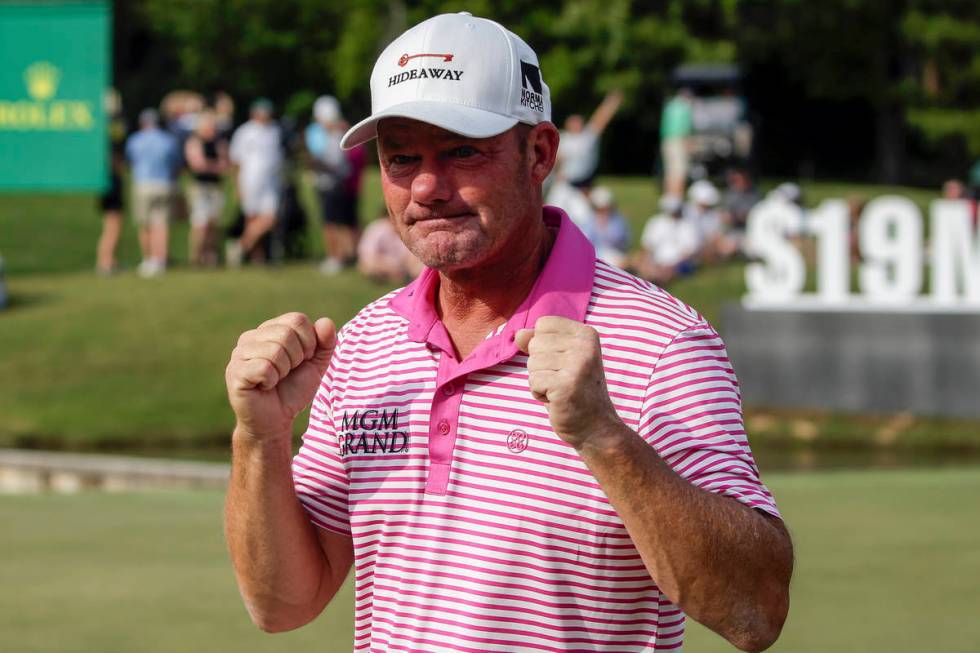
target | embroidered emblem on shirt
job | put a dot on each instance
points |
(371, 432)
(517, 441)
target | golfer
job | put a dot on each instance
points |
(525, 449)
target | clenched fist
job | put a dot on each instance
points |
(275, 371)
(565, 373)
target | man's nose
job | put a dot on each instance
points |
(431, 184)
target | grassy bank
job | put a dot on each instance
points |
(123, 363)
(886, 561)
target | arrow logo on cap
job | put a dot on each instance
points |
(405, 58)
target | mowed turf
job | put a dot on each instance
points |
(886, 561)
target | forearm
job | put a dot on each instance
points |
(279, 563)
(725, 564)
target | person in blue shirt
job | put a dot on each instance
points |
(331, 171)
(154, 159)
(606, 228)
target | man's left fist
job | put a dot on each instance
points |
(565, 373)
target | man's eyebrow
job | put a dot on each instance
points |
(389, 143)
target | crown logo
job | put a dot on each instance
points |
(42, 80)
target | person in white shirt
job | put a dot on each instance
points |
(256, 153)
(701, 210)
(670, 244)
(578, 160)
(578, 149)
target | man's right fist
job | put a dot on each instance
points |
(275, 371)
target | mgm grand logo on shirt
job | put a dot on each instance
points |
(371, 432)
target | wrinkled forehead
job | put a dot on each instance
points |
(401, 132)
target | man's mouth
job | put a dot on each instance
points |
(432, 217)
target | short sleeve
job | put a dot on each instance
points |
(692, 416)
(319, 475)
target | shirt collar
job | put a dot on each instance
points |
(562, 289)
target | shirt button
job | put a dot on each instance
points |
(443, 427)
(449, 389)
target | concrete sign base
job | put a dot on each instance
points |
(923, 363)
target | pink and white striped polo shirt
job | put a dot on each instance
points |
(475, 527)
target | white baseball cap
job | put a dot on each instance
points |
(703, 192)
(465, 74)
(326, 109)
(602, 197)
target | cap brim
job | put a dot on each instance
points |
(457, 118)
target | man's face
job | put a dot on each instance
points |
(457, 202)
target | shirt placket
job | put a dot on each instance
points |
(443, 424)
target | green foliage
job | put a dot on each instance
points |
(921, 54)
(939, 124)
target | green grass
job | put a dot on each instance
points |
(104, 361)
(125, 363)
(886, 561)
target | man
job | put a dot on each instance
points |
(577, 161)
(256, 154)
(331, 170)
(206, 153)
(669, 244)
(382, 256)
(676, 125)
(578, 155)
(608, 230)
(524, 449)
(154, 156)
(111, 201)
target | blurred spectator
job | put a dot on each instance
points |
(578, 149)
(112, 200)
(717, 243)
(224, 114)
(180, 110)
(382, 256)
(206, 153)
(669, 243)
(257, 157)
(331, 170)
(789, 192)
(154, 156)
(740, 196)
(357, 159)
(288, 238)
(954, 189)
(675, 131)
(607, 230)
(572, 200)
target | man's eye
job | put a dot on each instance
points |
(400, 160)
(463, 151)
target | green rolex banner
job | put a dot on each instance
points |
(54, 73)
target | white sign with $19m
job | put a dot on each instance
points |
(891, 273)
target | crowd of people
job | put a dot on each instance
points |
(696, 223)
(254, 167)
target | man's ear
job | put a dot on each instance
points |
(542, 148)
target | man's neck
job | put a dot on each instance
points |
(472, 303)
